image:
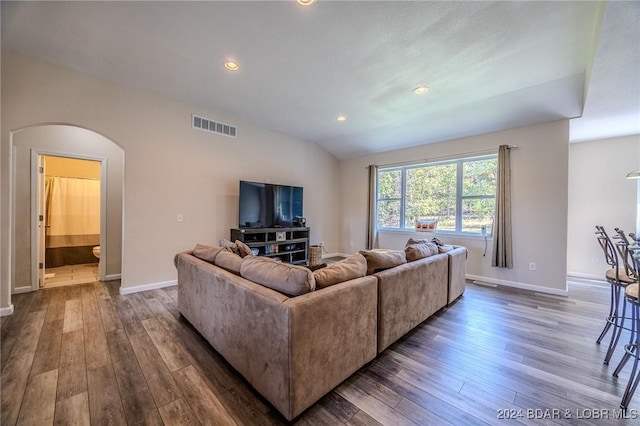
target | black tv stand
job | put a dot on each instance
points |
(289, 244)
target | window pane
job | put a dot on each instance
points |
(479, 177)
(477, 212)
(431, 194)
(389, 184)
(389, 214)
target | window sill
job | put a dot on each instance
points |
(445, 234)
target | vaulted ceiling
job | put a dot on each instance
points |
(488, 65)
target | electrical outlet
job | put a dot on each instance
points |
(180, 217)
(532, 266)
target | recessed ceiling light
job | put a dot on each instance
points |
(341, 118)
(306, 2)
(420, 90)
(231, 66)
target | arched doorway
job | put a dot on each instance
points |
(60, 140)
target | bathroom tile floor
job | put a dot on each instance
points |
(71, 274)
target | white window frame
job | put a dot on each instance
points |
(459, 197)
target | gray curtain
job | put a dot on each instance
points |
(502, 248)
(372, 232)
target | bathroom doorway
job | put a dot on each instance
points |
(69, 220)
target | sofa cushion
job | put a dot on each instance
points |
(420, 250)
(378, 260)
(229, 261)
(292, 280)
(243, 249)
(348, 269)
(206, 253)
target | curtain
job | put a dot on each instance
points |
(372, 232)
(502, 248)
(72, 211)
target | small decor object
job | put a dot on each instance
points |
(426, 225)
(271, 249)
(315, 255)
(281, 236)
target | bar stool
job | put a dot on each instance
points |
(632, 296)
(631, 348)
(618, 280)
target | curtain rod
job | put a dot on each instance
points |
(444, 157)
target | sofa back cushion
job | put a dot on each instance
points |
(380, 260)
(229, 261)
(206, 253)
(420, 251)
(292, 280)
(348, 269)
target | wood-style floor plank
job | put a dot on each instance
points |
(206, 406)
(85, 354)
(161, 384)
(73, 411)
(38, 404)
(104, 398)
(72, 374)
(178, 413)
(13, 384)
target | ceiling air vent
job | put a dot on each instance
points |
(212, 126)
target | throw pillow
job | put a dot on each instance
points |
(229, 246)
(348, 269)
(381, 260)
(243, 249)
(292, 280)
(445, 248)
(229, 261)
(206, 253)
(420, 250)
(417, 241)
(437, 241)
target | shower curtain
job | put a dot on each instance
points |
(73, 220)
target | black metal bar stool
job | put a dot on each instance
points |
(618, 280)
(631, 348)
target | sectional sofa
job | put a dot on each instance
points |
(295, 334)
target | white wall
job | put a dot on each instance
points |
(539, 206)
(169, 167)
(599, 194)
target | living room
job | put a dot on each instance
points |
(162, 168)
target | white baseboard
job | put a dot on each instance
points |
(146, 287)
(113, 277)
(592, 277)
(514, 284)
(6, 311)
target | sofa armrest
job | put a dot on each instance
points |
(457, 273)
(333, 334)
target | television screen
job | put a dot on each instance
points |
(266, 205)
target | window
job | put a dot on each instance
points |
(459, 194)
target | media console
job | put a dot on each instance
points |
(290, 245)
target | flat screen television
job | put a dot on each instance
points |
(266, 205)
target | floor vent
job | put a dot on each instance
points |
(212, 126)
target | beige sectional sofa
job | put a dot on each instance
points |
(293, 349)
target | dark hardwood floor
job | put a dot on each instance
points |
(86, 355)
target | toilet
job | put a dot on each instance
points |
(96, 251)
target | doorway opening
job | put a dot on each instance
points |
(69, 220)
